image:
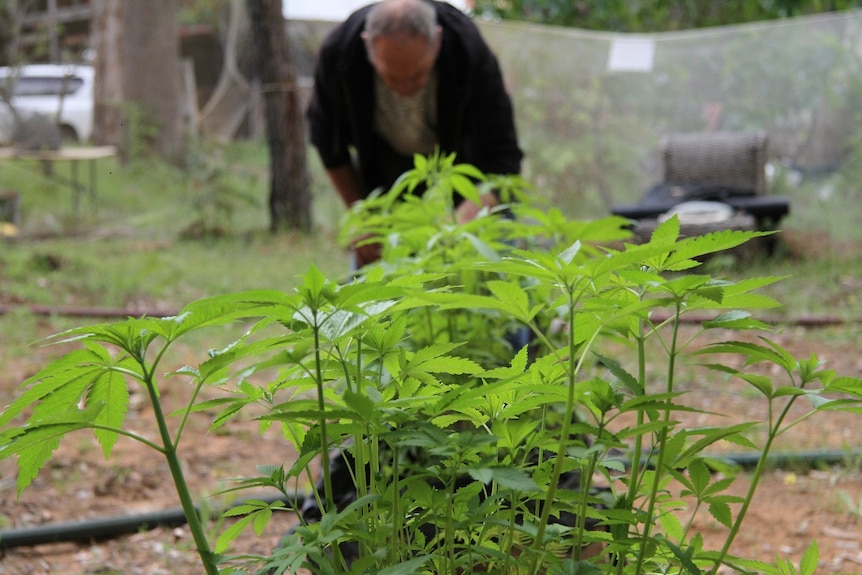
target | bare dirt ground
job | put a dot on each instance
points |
(793, 507)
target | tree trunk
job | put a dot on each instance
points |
(290, 196)
(152, 75)
(108, 90)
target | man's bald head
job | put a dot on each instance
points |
(394, 18)
(402, 39)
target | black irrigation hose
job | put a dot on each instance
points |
(804, 459)
(107, 527)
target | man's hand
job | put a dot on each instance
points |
(345, 180)
(469, 210)
(366, 252)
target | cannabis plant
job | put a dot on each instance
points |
(486, 398)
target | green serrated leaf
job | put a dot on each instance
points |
(713, 242)
(672, 526)
(261, 519)
(712, 293)
(64, 380)
(470, 170)
(224, 309)
(361, 405)
(481, 474)
(684, 557)
(487, 252)
(507, 477)
(568, 255)
(666, 232)
(736, 320)
(845, 384)
(753, 353)
(762, 383)
(718, 486)
(451, 364)
(513, 298)
(819, 402)
(699, 475)
(111, 391)
(466, 188)
(788, 391)
(629, 381)
(34, 445)
(231, 533)
(436, 350)
(684, 285)
(711, 435)
(810, 560)
(515, 368)
(44, 441)
(230, 355)
(721, 512)
(227, 413)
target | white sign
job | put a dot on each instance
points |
(631, 55)
(336, 10)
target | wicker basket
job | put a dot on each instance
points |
(731, 159)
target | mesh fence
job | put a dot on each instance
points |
(593, 108)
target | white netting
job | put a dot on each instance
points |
(593, 108)
(595, 133)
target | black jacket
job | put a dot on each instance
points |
(474, 113)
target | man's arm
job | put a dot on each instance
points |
(345, 180)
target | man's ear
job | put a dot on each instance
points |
(438, 40)
(368, 45)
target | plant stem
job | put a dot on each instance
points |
(583, 503)
(637, 451)
(329, 506)
(396, 508)
(321, 406)
(450, 521)
(360, 456)
(573, 368)
(662, 439)
(180, 484)
(752, 487)
(508, 541)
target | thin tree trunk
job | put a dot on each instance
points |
(108, 90)
(290, 197)
(152, 73)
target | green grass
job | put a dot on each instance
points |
(156, 274)
(135, 246)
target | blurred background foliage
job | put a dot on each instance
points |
(652, 15)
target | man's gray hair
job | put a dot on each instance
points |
(413, 18)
